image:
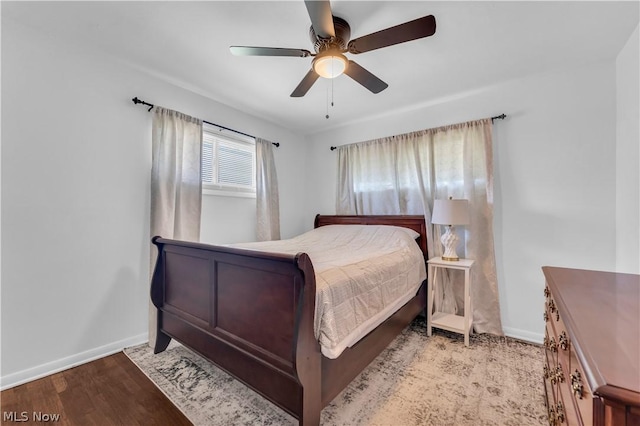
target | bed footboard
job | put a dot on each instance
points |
(250, 313)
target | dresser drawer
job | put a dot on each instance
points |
(563, 410)
(550, 344)
(548, 373)
(581, 394)
(577, 395)
(551, 309)
(562, 384)
(570, 414)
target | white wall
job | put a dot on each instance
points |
(628, 157)
(76, 158)
(555, 176)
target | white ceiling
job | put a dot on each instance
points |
(476, 44)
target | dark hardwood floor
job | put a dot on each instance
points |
(108, 391)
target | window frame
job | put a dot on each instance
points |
(218, 136)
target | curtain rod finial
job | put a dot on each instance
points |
(139, 101)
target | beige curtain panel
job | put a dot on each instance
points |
(267, 200)
(404, 174)
(176, 185)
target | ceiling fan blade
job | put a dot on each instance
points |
(321, 17)
(268, 51)
(364, 77)
(412, 30)
(305, 84)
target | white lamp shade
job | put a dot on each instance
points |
(330, 65)
(450, 212)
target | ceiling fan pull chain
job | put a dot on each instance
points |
(332, 91)
(327, 116)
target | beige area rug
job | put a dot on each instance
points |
(417, 380)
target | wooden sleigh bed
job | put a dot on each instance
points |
(252, 314)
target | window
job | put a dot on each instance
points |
(228, 164)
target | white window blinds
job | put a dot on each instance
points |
(228, 164)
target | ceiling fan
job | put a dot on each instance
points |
(330, 37)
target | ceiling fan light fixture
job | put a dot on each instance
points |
(330, 64)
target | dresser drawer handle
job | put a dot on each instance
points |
(550, 344)
(553, 309)
(552, 416)
(563, 341)
(560, 413)
(546, 372)
(556, 414)
(576, 384)
(558, 375)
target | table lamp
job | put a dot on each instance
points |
(450, 212)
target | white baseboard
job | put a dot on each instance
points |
(34, 373)
(30, 374)
(523, 335)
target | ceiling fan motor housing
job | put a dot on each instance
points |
(343, 34)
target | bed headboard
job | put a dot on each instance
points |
(415, 222)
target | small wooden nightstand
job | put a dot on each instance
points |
(451, 322)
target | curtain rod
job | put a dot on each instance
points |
(139, 101)
(497, 117)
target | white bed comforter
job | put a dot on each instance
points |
(364, 273)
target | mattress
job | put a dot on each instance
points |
(364, 273)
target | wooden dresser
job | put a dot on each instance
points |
(592, 347)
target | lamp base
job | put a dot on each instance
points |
(450, 241)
